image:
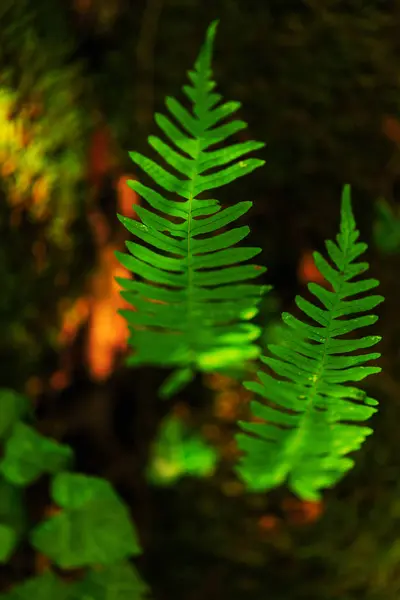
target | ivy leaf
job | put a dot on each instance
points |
(117, 582)
(73, 490)
(97, 530)
(40, 588)
(27, 455)
(13, 407)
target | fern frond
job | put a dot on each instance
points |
(304, 435)
(191, 290)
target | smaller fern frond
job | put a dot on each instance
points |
(303, 433)
(192, 290)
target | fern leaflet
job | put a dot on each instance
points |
(306, 440)
(191, 293)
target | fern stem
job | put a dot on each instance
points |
(317, 378)
(190, 288)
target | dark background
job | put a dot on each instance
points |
(319, 82)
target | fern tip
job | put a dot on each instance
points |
(347, 217)
(212, 30)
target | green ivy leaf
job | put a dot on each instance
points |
(13, 407)
(29, 454)
(98, 530)
(73, 490)
(40, 588)
(117, 582)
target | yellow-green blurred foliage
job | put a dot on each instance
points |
(44, 116)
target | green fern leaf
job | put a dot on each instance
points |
(191, 291)
(304, 435)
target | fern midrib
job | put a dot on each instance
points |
(190, 294)
(318, 375)
(190, 297)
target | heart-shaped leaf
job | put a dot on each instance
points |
(28, 455)
(98, 531)
(45, 587)
(117, 582)
(73, 490)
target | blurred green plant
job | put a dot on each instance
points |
(386, 228)
(179, 452)
(44, 116)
